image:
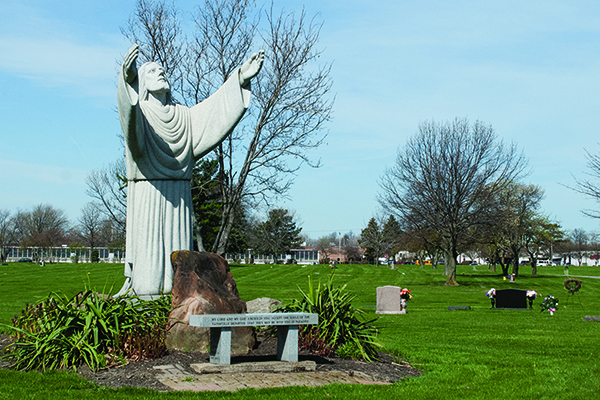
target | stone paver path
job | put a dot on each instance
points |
(175, 377)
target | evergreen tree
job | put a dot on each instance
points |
(371, 239)
(208, 206)
(278, 234)
(391, 233)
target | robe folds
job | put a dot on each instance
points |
(162, 144)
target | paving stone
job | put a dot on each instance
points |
(265, 366)
(176, 380)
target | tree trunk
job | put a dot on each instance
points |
(503, 266)
(224, 232)
(533, 267)
(515, 262)
(421, 256)
(232, 198)
(450, 269)
(197, 230)
(515, 267)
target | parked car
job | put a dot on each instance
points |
(25, 260)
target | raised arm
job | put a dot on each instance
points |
(129, 68)
(216, 117)
(127, 97)
(251, 68)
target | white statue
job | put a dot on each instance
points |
(163, 141)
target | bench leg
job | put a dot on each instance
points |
(287, 343)
(220, 345)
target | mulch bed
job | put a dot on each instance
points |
(142, 375)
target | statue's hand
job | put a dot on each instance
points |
(129, 67)
(251, 67)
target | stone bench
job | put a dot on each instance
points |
(220, 331)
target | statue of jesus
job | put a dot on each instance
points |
(163, 141)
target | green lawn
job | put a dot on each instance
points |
(482, 353)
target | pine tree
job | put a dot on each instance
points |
(278, 234)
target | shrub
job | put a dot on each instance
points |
(341, 326)
(89, 328)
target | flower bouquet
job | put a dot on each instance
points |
(405, 294)
(549, 304)
(404, 297)
(531, 294)
(492, 295)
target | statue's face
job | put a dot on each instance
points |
(156, 79)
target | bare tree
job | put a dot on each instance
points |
(351, 248)
(594, 244)
(109, 187)
(541, 236)
(288, 116)
(422, 243)
(518, 207)
(325, 244)
(590, 187)
(7, 230)
(43, 227)
(446, 178)
(155, 27)
(579, 239)
(91, 225)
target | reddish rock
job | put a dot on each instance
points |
(203, 284)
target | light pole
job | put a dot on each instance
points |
(340, 247)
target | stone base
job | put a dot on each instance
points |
(150, 297)
(265, 366)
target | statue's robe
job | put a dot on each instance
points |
(162, 145)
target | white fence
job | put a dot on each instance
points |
(61, 254)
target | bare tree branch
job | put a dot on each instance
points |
(446, 178)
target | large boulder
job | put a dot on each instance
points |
(203, 284)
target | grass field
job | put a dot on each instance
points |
(482, 353)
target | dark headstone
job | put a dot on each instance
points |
(511, 298)
(203, 284)
(452, 308)
(591, 318)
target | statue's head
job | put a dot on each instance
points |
(153, 79)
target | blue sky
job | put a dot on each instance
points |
(530, 69)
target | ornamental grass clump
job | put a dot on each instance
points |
(88, 328)
(341, 329)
